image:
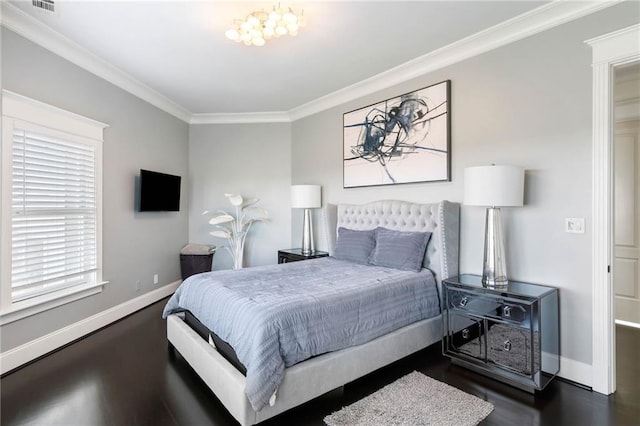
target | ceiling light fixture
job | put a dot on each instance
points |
(260, 26)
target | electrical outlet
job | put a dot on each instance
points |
(574, 225)
(138, 285)
(155, 278)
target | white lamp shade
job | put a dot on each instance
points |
(305, 197)
(497, 186)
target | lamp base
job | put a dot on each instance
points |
(307, 234)
(494, 270)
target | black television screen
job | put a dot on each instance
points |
(159, 192)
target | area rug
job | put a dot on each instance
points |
(413, 400)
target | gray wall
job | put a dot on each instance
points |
(526, 104)
(135, 245)
(253, 160)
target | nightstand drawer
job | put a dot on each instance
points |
(492, 307)
(466, 335)
(509, 347)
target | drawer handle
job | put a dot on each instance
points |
(465, 333)
(464, 301)
(506, 311)
(507, 345)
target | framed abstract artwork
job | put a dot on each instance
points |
(401, 140)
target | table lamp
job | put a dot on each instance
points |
(306, 197)
(494, 187)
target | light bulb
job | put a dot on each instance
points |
(255, 33)
(275, 16)
(253, 21)
(269, 23)
(246, 26)
(245, 37)
(289, 17)
(232, 34)
(292, 27)
(268, 32)
(258, 41)
(280, 30)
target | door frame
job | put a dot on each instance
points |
(608, 51)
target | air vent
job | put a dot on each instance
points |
(47, 5)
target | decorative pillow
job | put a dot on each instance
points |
(354, 246)
(400, 250)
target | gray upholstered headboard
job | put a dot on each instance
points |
(442, 219)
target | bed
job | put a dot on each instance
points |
(322, 369)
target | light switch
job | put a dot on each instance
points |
(574, 225)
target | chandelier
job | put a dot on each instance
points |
(260, 26)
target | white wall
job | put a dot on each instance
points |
(526, 104)
(135, 245)
(253, 160)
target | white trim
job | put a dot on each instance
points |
(628, 323)
(34, 349)
(28, 307)
(27, 109)
(627, 110)
(240, 118)
(576, 371)
(535, 21)
(609, 50)
(21, 23)
(32, 114)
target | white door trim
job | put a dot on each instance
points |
(608, 51)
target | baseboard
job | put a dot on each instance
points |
(575, 371)
(34, 349)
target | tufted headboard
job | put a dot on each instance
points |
(442, 219)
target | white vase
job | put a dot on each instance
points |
(238, 255)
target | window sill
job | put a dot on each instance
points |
(45, 302)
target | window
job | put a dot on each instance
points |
(51, 193)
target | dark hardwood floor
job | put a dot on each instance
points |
(121, 375)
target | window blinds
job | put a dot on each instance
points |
(54, 213)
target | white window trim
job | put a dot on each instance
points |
(18, 107)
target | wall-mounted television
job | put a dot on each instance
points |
(159, 192)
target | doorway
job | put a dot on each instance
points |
(608, 52)
(626, 141)
(626, 251)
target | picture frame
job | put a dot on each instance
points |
(405, 139)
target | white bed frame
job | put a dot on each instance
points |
(319, 375)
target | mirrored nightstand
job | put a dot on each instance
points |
(509, 334)
(295, 255)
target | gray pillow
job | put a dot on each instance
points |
(355, 246)
(400, 250)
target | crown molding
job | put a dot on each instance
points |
(550, 15)
(25, 25)
(535, 21)
(240, 118)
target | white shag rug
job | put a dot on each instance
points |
(414, 400)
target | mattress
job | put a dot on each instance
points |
(278, 315)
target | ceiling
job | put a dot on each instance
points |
(178, 48)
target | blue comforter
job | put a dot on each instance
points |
(278, 315)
